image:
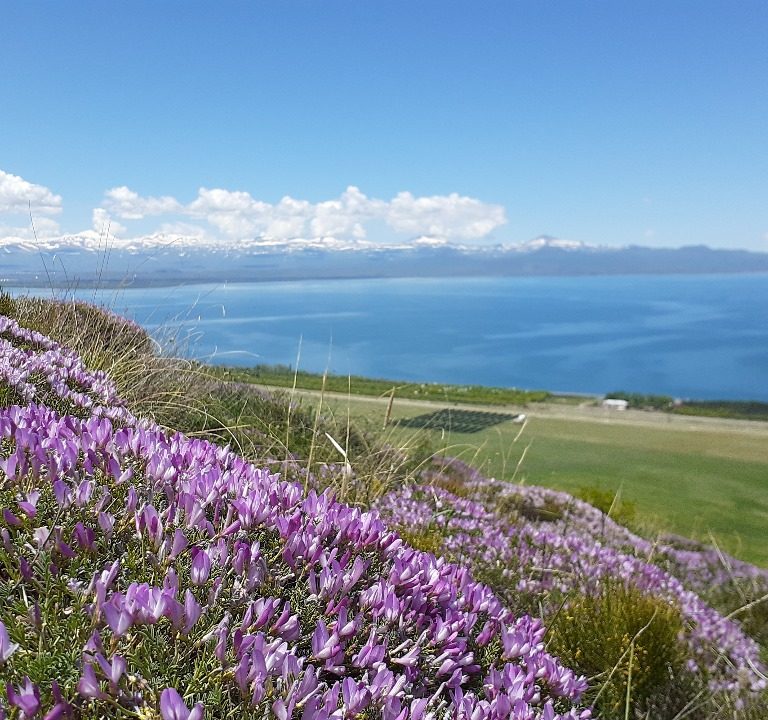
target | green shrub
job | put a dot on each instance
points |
(90, 331)
(518, 506)
(619, 638)
(7, 304)
(745, 410)
(152, 385)
(428, 539)
(451, 484)
(286, 376)
(611, 503)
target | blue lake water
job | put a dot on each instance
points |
(702, 337)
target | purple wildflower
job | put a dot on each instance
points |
(26, 698)
(7, 648)
(88, 685)
(172, 707)
(201, 566)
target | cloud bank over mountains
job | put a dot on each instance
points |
(221, 216)
(20, 199)
(231, 236)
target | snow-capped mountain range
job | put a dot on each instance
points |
(90, 258)
(93, 241)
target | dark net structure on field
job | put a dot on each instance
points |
(462, 421)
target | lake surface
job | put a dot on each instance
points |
(702, 337)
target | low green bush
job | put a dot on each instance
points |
(7, 304)
(519, 507)
(627, 644)
(611, 503)
(428, 539)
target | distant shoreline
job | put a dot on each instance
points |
(114, 283)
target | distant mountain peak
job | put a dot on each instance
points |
(548, 241)
(429, 241)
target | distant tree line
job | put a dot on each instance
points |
(286, 376)
(739, 409)
(644, 402)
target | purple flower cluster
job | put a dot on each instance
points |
(36, 367)
(698, 567)
(179, 572)
(577, 548)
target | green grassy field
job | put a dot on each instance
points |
(707, 479)
(690, 482)
(284, 376)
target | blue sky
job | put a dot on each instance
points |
(606, 122)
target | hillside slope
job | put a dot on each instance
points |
(170, 576)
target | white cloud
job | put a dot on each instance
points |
(185, 229)
(19, 196)
(444, 216)
(103, 223)
(219, 200)
(346, 216)
(235, 213)
(221, 215)
(238, 215)
(129, 205)
(287, 219)
(44, 227)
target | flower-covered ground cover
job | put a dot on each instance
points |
(34, 367)
(542, 547)
(147, 574)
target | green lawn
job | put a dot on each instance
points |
(692, 481)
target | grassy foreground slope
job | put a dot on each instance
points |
(264, 598)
